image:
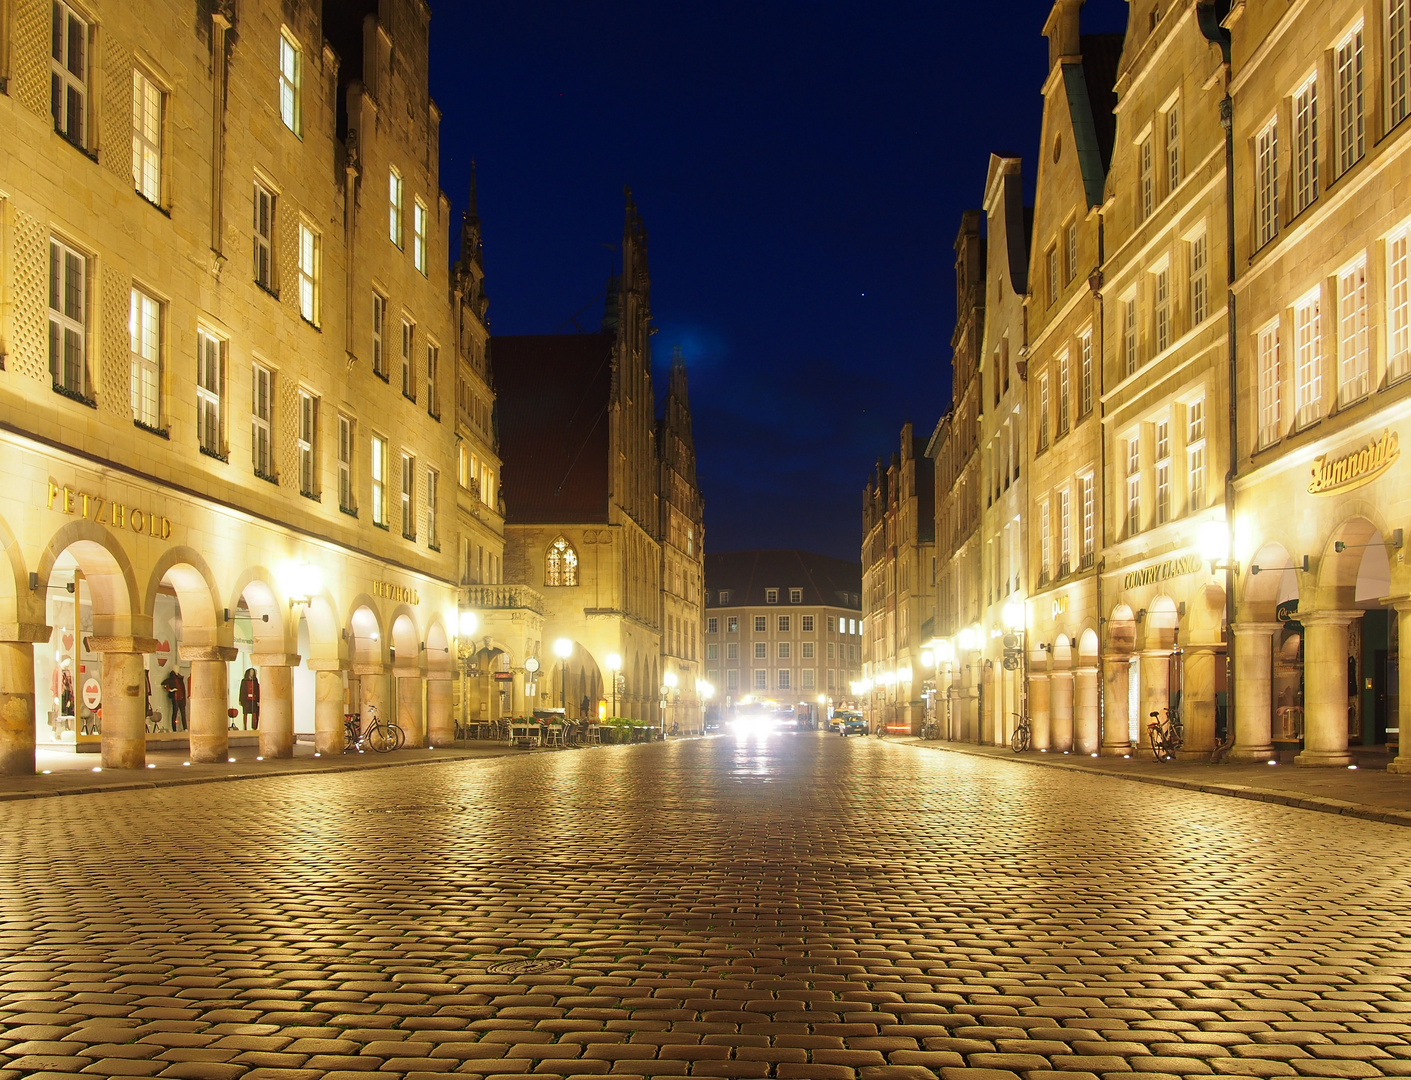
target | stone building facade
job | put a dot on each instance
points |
(226, 413)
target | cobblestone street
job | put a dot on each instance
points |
(804, 906)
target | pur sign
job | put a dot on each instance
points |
(1355, 469)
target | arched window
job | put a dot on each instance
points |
(562, 568)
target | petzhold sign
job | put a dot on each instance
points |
(1355, 469)
(100, 511)
(397, 593)
(1171, 568)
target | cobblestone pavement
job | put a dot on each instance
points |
(802, 907)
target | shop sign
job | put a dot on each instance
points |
(1165, 571)
(92, 694)
(1355, 469)
(115, 515)
(1287, 613)
(398, 594)
(502, 676)
(1060, 605)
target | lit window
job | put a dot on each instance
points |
(1305, 145)
(1200, 279)
(146, 137)
(1072, 252)
(1161, 300)
(1085, 496)
(1173, 149)
(1163, 472)
(1085, 374)
(1353, 361)
(394, 212)
(1398, 305)
(1052, 283)
(1134, 485)
(210, 390)
(68, 74)
(433, 366)
(261, 421)
(144, 323)
(1065, 533)
(308, 444)
(408, 382)
(379, 320)
(68, 320)
(1043, 411)
(419, 235)
(291, 78)
(264, 238)
(433, 484)
(379, 481)
(408, 497)
(346, 501)
(308, 273)
(1266, 206)
(1129, 335)
(1351, 119)
(1063, 390)
(1269, 386)
(1308, 369)
(561, 564)
(1146, 166)
(1398, 50)
(1195, 454)
(1045, 541)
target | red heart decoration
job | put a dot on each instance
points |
(67, 639)
(163, 647)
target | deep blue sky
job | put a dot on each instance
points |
(801, 169)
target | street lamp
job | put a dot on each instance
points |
(563, 649)
(705, 692)
(614, 665)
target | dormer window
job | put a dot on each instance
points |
(771, 596)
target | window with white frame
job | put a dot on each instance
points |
(732, 650)
(346, 498)
(307, 444)
(783, 650)
(1085, 373)
(68, 319)
(433, 373)
(1398, 304)
(1305, 145)
(785, 679)
(147, 99)
(807, 678)
(784, 624)
(68, 74)
(1199, 250)
(1173, 148)
(1063, 395)
(1308, 361)
(1351, 116)
(1146, 171)
(1354, 378)
(433, 485)
(408, 496)
(1134, 485)
(1270, 389)
(1071, 250)
(1052, 285)
(379, 481)
(1398, 54)
(807, 624)
(1043, 410)
(379, 321)
(1065, 532)
(1195, 454)
(1161, 307)
(144, 323)
(761, 650)
(291, 81)
(1129, 335)
(394, 206)
(419, 235)
(210, 394)
(1163, 471)
(713, 625)
(761, 679)
(761, 624)
(264, 237)
(308, 273)
(1045, 539)
(1086, 509)
(408, 381)
(771, 596)
(1266, 183)
(262, 421)
(796, 596)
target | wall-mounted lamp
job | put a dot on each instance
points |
(1254, 569)
(33, 581)
(1141, 614)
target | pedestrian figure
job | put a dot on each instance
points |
(250, 699)
(175, 686)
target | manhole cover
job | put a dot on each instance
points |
(526, 967)
(438, 808)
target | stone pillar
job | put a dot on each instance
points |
(1198, 703)
(1039, 727)
(17, 718)
(373, 684)
(1087, 712)
(207, 704)
(1155, 692)
(1253, 691)
(1402, 761)
(410, 717)
(124, 736)
(328, 712)
(440, 721)
(1116, 736)
(1061, 712)
(276, 710)
(1325, 688)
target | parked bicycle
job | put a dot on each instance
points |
(381, 736)
(1023, 734)
(931, 729)
(1165, 736)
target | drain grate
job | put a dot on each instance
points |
(435, 808)
(527, 966)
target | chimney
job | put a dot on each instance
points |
(1061, 29)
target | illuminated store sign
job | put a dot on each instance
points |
(115, 515)
(1165, 571)
(1355, 469)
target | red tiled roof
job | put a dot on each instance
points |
(553, 393)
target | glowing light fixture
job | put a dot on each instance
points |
(966, 638)
(614, 662)
(1013, 615)
(469, 623)
(563, 648)
(306, 583)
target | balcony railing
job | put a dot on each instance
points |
(502, 598)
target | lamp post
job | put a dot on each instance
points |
(1016, 658)
(563, 649)
(614, 666)
(705, 692)
(466, 625)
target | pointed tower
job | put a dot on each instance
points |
(632, 395)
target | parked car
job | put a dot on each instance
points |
(851, 724)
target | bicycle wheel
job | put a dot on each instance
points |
(380, 738)
(1019, 740)
(399, 737)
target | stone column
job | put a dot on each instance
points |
(440, 722)
(1116, 737)
(1198, 703)
(410, 717)
(1087, 713)
(1402, 762)
(328, 711)
(1253, 691)
(1039, 727)
(1061, 712)
(17, 717)
(1155, 692)
(124, 735)
(276, 708)
(207, 704)
(1325, 688)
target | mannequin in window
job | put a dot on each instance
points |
(250, 699)
(175, 686)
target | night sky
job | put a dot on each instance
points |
(801, 169)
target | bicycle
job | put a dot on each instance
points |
(1023, 734)
(1165, 736)
(881, 731)
(381, 735)
(931, 729)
